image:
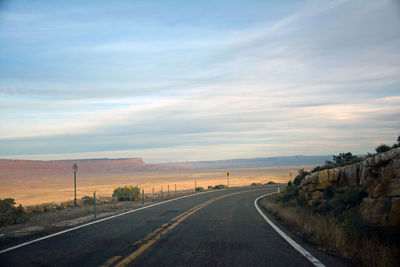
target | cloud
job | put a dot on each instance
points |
(314, 80)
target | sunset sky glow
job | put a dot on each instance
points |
(197, 80)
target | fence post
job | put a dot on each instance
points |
(114, 197)
(94, 206)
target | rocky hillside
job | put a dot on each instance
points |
(379, 175)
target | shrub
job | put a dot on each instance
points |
(123, 193)
(289, 193)
(329, 192)
(270, 182)
(88, 200)
(300, 177)
(9, 214)
(255, 184)
(199, 189)
(220, 186)
(343, 159)
(382, 148)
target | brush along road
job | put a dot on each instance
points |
(220, 228)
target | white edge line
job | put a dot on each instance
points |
(296, 246)
(102, 220)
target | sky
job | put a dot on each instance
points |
(197, 80)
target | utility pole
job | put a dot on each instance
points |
(75, 168)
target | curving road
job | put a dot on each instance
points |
(220, 228)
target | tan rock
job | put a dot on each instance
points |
(310, 187)
(394, 188)
(333, 175)
(323, 176)
(379, 190)
(378, 159)
(317, 195)
(323, 186)
(370, 162)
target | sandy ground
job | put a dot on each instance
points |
(58, 189)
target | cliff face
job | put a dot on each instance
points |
(379, 175)
(33, 168)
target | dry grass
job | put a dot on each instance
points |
(31, 191)
(323, 232)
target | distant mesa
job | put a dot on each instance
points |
(35, 168)
(59, 168)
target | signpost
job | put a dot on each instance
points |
(227, 175)
(75, 168)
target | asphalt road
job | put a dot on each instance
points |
(220, 228)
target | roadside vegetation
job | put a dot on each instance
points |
(9, 214)
(334, 223)
(126, 193)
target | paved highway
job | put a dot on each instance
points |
(220, 228)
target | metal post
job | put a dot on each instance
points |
(152, 195)
(169, 194)
(162, 193)
(94, 198)
(227, 175)
(195, 185)
(175, 191)
(114, 198)
(278, 189)
(130, 193)
(142, 196)
(75, 168)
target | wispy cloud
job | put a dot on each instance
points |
(315, 78)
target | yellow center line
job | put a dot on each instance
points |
(178, 219)
(111, 261)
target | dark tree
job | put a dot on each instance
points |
(382, 148)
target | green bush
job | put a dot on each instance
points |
(300, 177)
(220, 186)
(343, 159)
(123, 193)
(255, 184)
(88, 200)
(289, 193)
(382, 148)
(339, 201)
(270, 183)
(199, 189)
(9, 214)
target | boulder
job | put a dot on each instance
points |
(333, 175)
(380, 189)
(394, 188)
(323, 177)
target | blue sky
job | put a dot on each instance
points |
(197, 80)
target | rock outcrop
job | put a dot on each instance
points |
(379, 175)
